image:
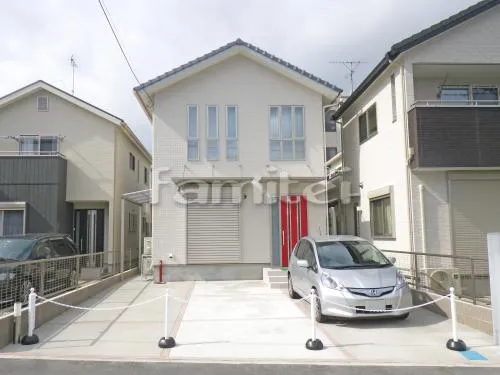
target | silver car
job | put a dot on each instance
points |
(350, 276)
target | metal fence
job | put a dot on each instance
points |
(438, 272)
(54, 276)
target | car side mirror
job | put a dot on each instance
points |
(392, 260)
(303, 263)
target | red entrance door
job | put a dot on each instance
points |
(293, 224)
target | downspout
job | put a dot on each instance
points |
(409, 181)
(325, 172)
(421, 192)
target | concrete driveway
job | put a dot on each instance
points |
(242, 321)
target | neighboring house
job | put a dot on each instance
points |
(229, 130)
(420, 164)
(64, 165)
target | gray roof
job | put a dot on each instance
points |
(239, 42)
(413, 41)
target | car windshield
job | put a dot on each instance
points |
(350, 254)
(14, 248)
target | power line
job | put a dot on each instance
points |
(118, 41)
(112, 27)
(351, 67)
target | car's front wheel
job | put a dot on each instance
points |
(291, 292)
(320, 318)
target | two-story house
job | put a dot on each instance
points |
(238, 162)
(421, 137)
(64, 166)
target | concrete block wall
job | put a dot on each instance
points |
(46, 311)
(474, 316)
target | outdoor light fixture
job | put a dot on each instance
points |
(271, 168)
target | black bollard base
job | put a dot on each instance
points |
(314, 344)
(458, 346)
(166, 342)
(30, 340)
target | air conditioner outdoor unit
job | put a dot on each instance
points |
(442, 279)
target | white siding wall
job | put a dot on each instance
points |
(474, 41)
(380, 161)
(253, 88)
(436, 210)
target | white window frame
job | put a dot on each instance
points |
(368, 134)
(216, 138)
(188, 137)
(235, 139)
(386, 192)
(12, 206)
(38, 103)
(293, 138)
(38, 138)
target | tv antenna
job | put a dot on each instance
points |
(74, 66)
(351, 67)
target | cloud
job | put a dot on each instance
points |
(38, 40)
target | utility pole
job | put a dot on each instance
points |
(351, 67)
(74, 66)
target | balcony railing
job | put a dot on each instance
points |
(456, 103)
(31, 153)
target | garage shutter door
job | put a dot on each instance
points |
(475, 212)
(213, 231)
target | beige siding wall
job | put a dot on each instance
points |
(128, 180)
(88, 145)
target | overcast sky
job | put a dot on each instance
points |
(37, 39)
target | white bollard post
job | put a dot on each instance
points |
(313, 343)
(31, 338)
(454, 343)
(494, 268)
(17, 322)
(166, 342)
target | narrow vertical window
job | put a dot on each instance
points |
(231, 133)
(286, 128)
(192, 134)
(212, 133)
(393, 97)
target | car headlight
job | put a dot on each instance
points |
(400, 281)
(7, 276)
(330, 282)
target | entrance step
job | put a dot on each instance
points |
(276, 278)
(278, 285)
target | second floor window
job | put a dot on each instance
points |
(146, 179)
(231, 133)
(193, 143)
(212, 133)
(368, 124)
(38, 145)
(287, 138)
(330, 152)
(131, 161)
